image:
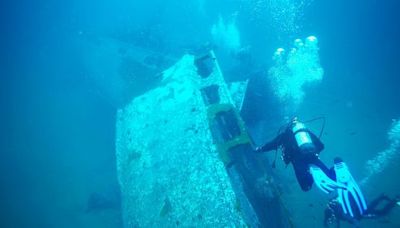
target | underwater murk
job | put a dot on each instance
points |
(200, 113)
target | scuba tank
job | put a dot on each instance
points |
(300, 134)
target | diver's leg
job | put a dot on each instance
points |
(303, 176)
(329, 172)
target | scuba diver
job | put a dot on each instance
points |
(348, 203)
(300, 147)
(334, 213)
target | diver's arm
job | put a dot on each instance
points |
(272, 145)
(374, 211)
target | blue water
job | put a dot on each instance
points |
(60, 86)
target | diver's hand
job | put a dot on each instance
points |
(258, 149)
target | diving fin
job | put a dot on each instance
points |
(323, 182)
(344, 177)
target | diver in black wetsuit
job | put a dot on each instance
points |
(300, 147)
(334, 213)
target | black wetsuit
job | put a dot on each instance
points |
(334, 212)
(300, 157)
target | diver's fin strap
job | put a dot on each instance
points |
(345, 178)
(322, 181)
